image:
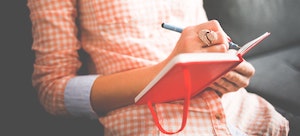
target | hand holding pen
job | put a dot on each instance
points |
(205, 35)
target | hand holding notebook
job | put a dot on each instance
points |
(204, 68)
(188, 74)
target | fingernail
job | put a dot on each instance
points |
(229, 39)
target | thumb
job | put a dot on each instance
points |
(232, 51)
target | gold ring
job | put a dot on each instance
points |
(207, 36)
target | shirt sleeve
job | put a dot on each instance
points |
(77, 96)
(56, 45)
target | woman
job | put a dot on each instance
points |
(127, 47)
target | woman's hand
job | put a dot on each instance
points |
(235, 79)
(190, 42)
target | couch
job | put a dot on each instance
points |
(277, 58)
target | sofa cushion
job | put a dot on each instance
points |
(244, 20)
(277, 58)
(277, 78)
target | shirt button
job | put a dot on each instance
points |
(218, 116)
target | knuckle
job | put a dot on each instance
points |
(229, 75)
(214, 21)
(245, 83)
(251, 69)
(223, 48)
(188, 29)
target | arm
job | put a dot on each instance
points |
(135, 80)
(56, 64)
(118, 90)
(55, 46)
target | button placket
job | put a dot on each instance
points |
(217, 113)
(218, 116)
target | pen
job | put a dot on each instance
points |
(232, 45)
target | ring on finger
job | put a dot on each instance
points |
(207, 36)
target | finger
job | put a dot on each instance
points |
(236, 78)
(195, 44)
(213, 48)
(223, 89)
(224, 86)
(213, 25)
(232, 51)
(245, 68)
(218, 88)
(209, 37)
(227, 84)
(221, 38)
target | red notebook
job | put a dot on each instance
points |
(188, 74)
(204, 68)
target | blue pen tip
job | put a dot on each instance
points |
(233, 46)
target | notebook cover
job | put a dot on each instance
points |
(204, 69)
(170, 86)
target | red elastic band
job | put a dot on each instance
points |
(187, 82)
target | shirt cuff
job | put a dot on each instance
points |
(77, 96)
